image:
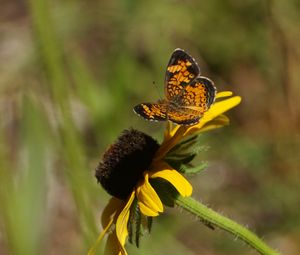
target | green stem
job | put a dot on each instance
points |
(212, 218)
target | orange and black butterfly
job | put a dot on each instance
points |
(187, 94)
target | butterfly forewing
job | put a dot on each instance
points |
(182, 69)
(150, 111)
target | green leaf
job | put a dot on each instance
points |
(134, 224)
(177, 162)
(185, 144)
(166, 191)
(194, 170)
(138, 222)
(149, 223)
(183, 153)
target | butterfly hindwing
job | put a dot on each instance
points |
(183, 116)
(182, 69)
(198, 95)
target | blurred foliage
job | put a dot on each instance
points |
(70, 73)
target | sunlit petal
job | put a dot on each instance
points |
(174, 177)
(219, 121)
(220, 107)
(148, 200)
(224, 94)
(121, 225)
(215, 110)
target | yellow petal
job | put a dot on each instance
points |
(112, 245)
(111, 210)
(218, 108)
(148, 201)
(224, 94)
(175, 178)
(215, 110)
(121, 225)
(108, 217)
(92, 250)
(168, 130)
(217, 122)
(168, 143)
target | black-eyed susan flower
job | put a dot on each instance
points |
(125, 173)
(137, 173)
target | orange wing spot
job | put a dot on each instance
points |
(186, 73)
(146, 108)
(178, 76)
(172, 82)
(173, 69)
(186, 79)
(182, 67)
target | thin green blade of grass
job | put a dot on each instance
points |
(25, 204)
(69, 143)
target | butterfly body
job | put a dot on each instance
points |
(187, 94)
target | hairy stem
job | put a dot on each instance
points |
(212, 218)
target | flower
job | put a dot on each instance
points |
(125, 173)
(131, 166)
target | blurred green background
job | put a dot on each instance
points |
(70, 73)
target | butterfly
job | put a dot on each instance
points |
(187, 94)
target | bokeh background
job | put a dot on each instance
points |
(70, 73)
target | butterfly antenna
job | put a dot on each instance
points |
(157, 90)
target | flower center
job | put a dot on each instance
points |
(125, 161)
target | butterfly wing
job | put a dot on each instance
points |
(154, 112)
(198, 95)
(188, 95)
(182, 69)
(183, 116)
